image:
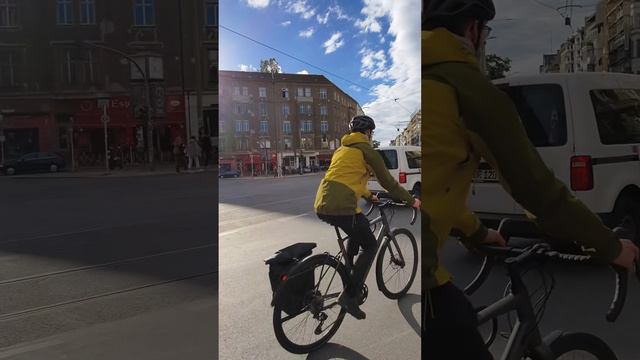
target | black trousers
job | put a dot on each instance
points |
(360, 236)
(451, 329)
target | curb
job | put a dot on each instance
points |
(80, 175)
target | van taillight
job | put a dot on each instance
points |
(403, 178)
(581, 173)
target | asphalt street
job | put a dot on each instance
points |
(260, 216)
(108, 268)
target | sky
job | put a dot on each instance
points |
(526, 29)
(375, 44)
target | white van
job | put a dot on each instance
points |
(586, 127)
(403, 163)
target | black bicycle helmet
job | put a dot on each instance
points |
(438, 10)
(361, 123)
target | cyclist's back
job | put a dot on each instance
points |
(344, 184)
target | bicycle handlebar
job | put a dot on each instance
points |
(386, 201)
(514, 256)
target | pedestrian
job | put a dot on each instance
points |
(178, 153)
(193, 152)
(205, 145)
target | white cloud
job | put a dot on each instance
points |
(249, 67)
(303, 72)
(323, 19)
(258, 3)
(374, 64)
(382, 39)
(302, 8)
(306, 33)
(334, 43)
(285, 23)
(372, 11)
(402, 67)
(355, 88)
(339, 13)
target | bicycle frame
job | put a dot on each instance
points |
(526, 334)
(385, 230)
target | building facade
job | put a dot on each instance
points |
(550, 63)
(62, 69)
(619, 28)
(280, 122)
(410, 135)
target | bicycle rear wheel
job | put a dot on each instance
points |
(574, 346)
(321, 315)
(397, 263)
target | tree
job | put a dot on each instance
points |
(270, 65)
(376, 144)
(497, 67)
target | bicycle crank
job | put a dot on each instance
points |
(321, 317)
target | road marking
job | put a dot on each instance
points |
(222, 234)
(21, 349)
(242, 207)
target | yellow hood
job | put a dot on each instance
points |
(354, 138)
(441, 46)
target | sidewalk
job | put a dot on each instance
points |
(266, 177)
(97, 173)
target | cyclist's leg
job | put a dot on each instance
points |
(363, 236)
(451, 332)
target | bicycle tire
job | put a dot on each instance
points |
(311, 262)
(590, 344)
(382, 285)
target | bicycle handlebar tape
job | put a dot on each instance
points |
(620, 294)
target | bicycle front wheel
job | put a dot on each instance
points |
(320, 315)
(397, 263)
(581, 346)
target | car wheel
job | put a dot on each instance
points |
(53, 168)
(10, 171)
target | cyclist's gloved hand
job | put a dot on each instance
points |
(417, 203)
(628, 255)
(494, 238)
(374, 198)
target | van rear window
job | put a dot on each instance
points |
(390, 158)
(541, 109)
(413, 159)
(618, 115)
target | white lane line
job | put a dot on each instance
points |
(21, 349)
(243, 207)
(222, 234)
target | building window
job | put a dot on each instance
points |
(222, 146)
(287, 144)
(262, 92)
(236, 91)
(87, 12)
(8, 13)
(144, 13)
(305, 126)
(307, 92)
(264, 126)
(285, 93)
(211, 12)
(245, 91)
(221, 125)
(7, 69)
(324, 126)
(323, 110)
(78, 67)
(212, 58)
(242, 144)
(286, 127)
(323, 94)
(301, 108)
(242, 126)
(300, 92)
(240, 109)
(65, 12)
(285, 110)
(262, 109)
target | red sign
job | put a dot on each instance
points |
(119, 110)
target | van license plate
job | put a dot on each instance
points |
(486, 175)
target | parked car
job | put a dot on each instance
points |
(586, 128)
(403, 163)
(229, 173)
(34, 162)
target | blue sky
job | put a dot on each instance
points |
(373, 43)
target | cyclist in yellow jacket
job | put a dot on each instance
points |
(344, 184)
(466, 118)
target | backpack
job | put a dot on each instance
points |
(280, 265)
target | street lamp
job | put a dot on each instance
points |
(150, 153)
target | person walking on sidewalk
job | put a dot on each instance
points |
(193, 152)
(205, 145)
(178, 153)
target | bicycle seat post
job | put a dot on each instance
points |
(343, 250)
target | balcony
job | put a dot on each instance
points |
(304, 98)
(242, 98)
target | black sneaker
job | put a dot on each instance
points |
(350, 304)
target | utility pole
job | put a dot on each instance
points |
(278, 169)
(105, 120)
